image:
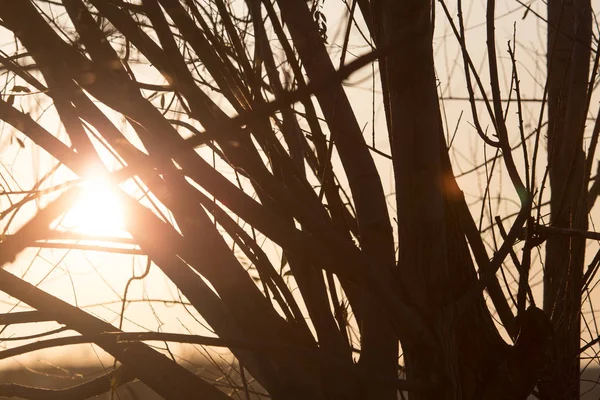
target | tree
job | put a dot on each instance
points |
(252, 85)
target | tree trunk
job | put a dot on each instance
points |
(435, 268)
(569, 40)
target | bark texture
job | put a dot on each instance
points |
(569, 40)
(434, 267)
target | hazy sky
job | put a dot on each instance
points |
(95, 281)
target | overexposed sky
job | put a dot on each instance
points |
(95, 281)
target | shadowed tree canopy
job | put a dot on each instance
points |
(333, 260)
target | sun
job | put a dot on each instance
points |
(97, 211)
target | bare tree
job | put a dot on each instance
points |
(239, 130)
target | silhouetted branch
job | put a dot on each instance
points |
(96, 386)
(268, 347)
(24, 317)
(37, 227)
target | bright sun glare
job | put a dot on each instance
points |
(97, 211)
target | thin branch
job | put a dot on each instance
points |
(95, 387)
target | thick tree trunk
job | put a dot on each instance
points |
(569, 39)
(435, 267)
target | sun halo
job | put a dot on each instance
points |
(97, 211)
